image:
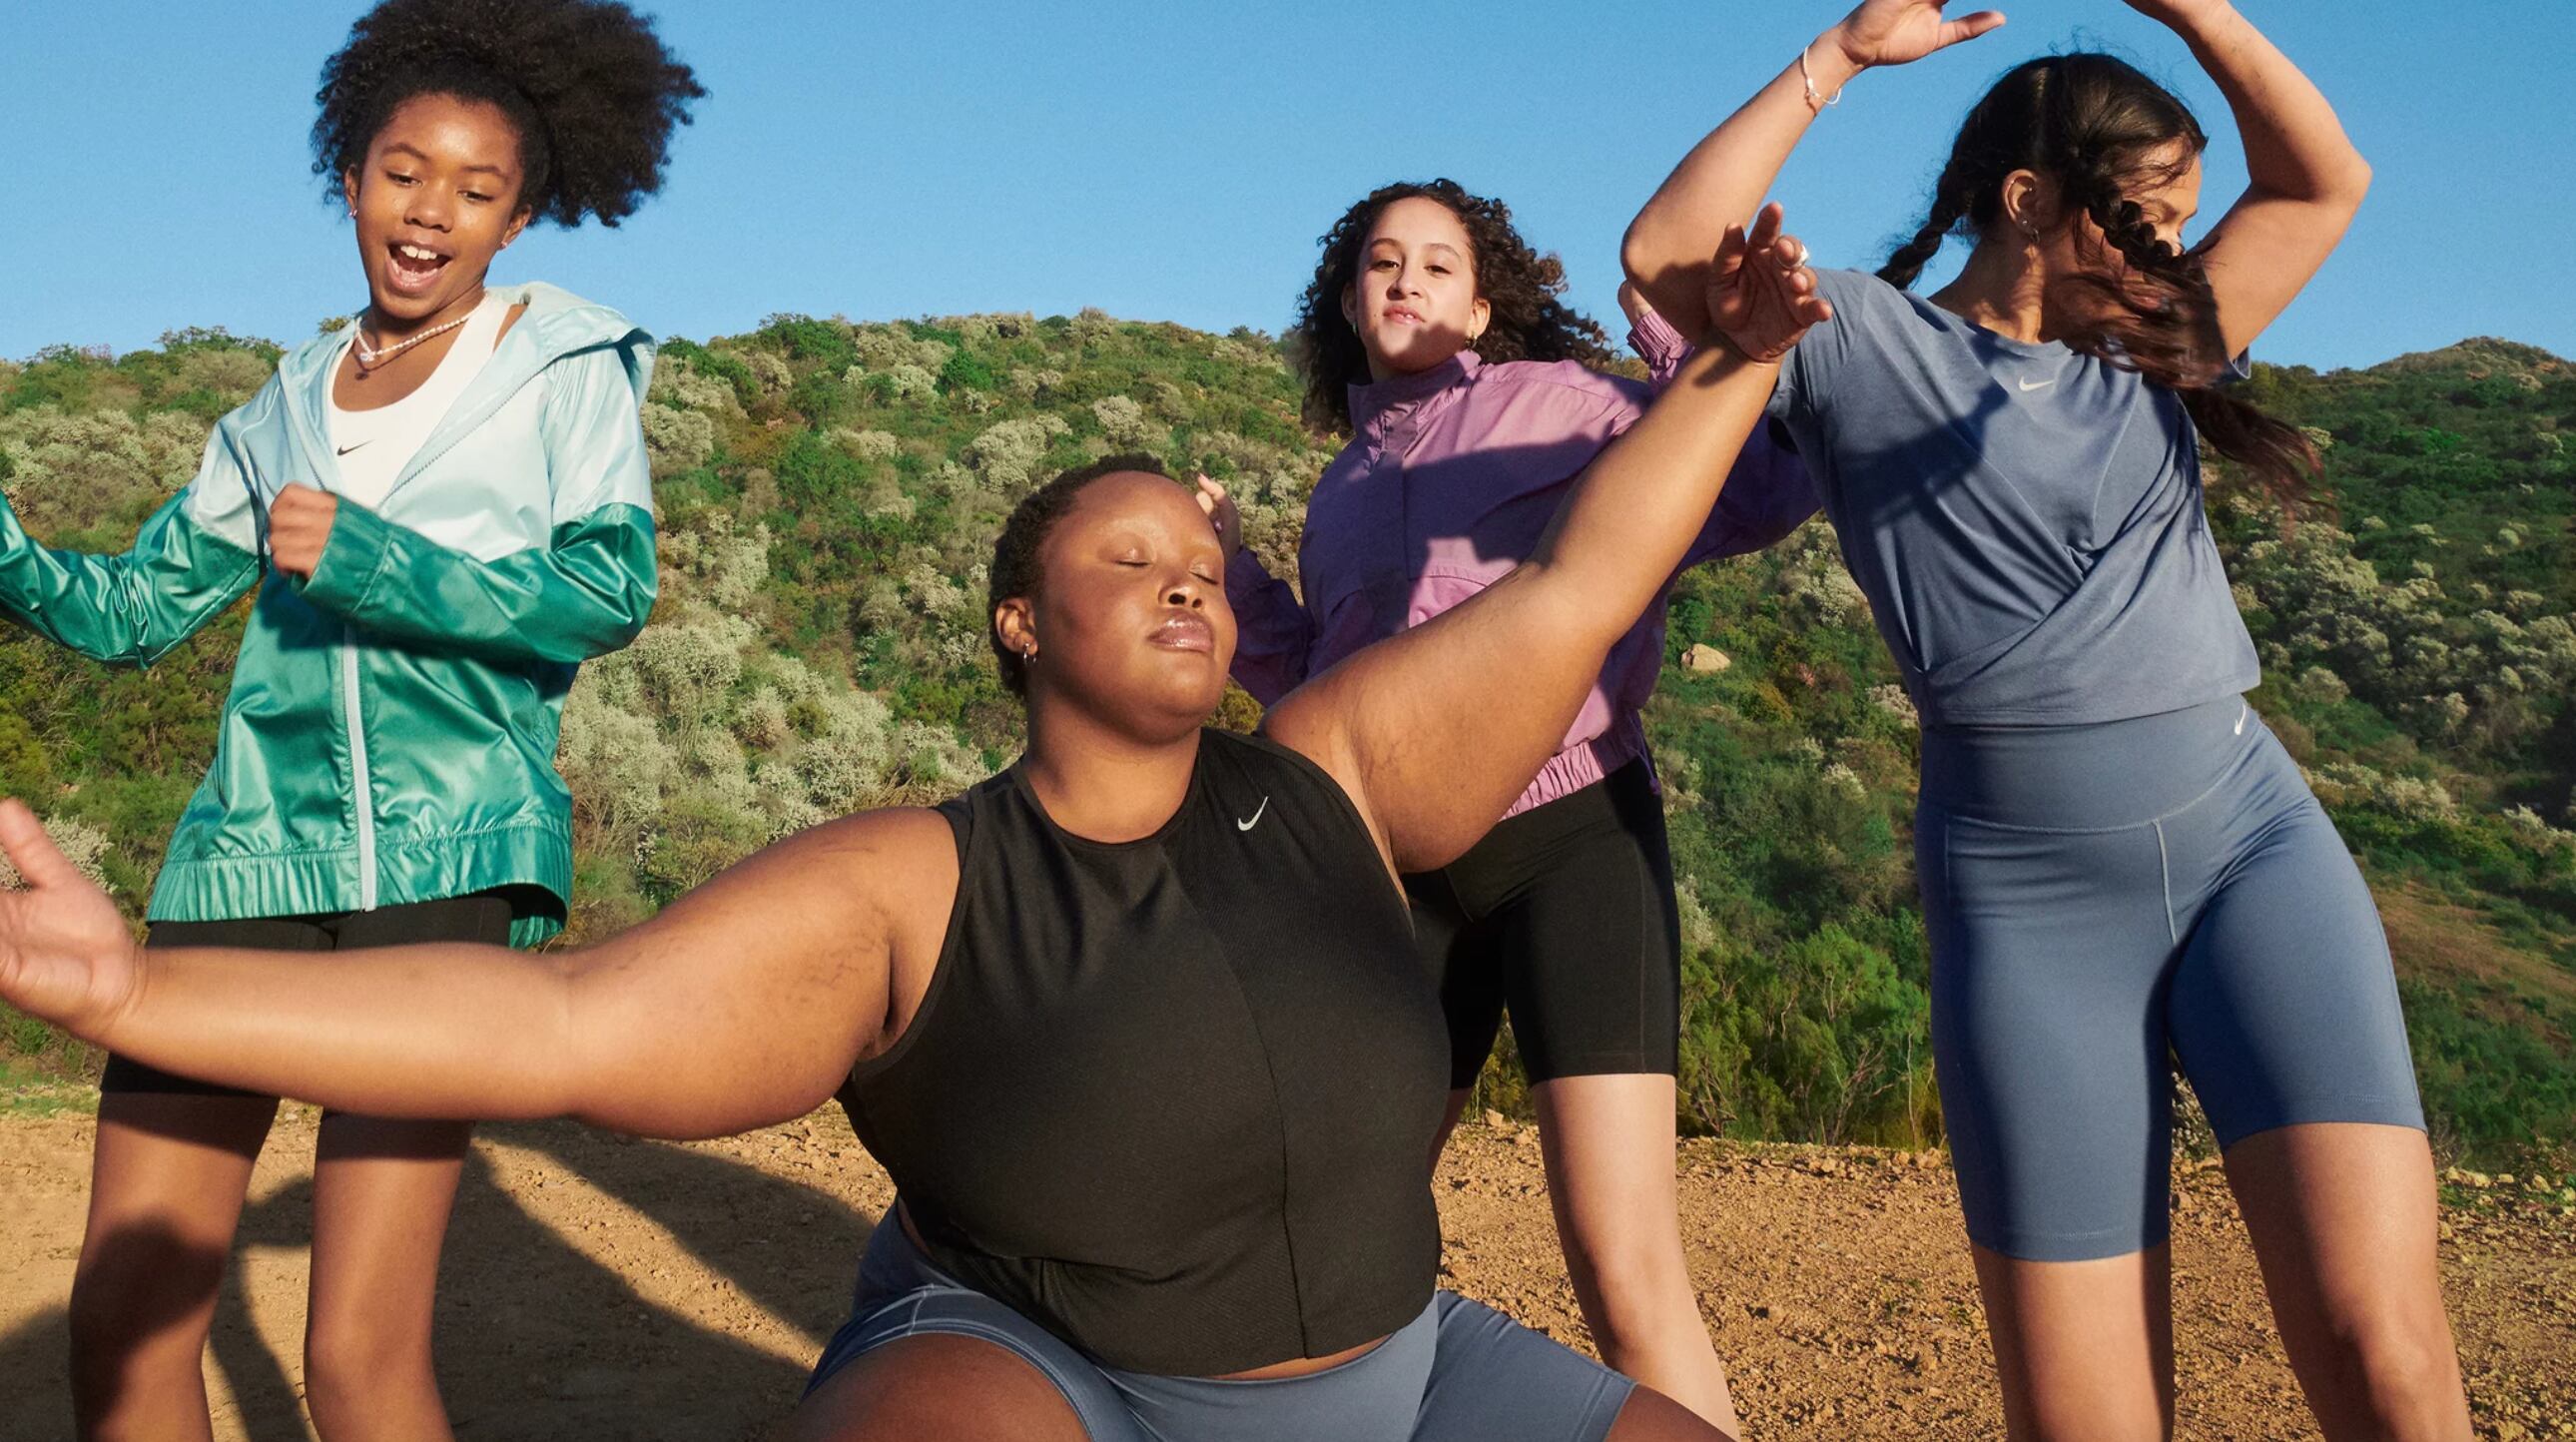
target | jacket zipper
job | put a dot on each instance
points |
(360, 777)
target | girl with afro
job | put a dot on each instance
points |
(1434, 336)
(444, 508)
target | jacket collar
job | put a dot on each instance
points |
(1378, 403)
(556, 324)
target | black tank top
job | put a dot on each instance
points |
(1174, 1098)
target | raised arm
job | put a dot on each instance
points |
(741, 1004)
(193, 558)
(2304, 178)
(1274, 633)
(1726, 175)
(1435, 730)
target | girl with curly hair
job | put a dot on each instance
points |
(2119, 863)
(1435, 335)
(444, 508)
(1133, 1025)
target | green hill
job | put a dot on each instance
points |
(829, 493)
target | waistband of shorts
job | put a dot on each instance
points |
(2099, 776)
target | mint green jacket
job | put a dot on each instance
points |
(390, 734)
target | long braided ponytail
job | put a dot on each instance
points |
(2094, 123)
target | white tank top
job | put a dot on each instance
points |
(373, 446)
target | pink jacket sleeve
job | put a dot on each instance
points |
(1274, 635)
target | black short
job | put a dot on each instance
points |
(1565, 914)
(483, 917)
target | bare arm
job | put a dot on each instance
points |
(741, 1004)
(1434, 731)
(1726, 175)
(2304, 178)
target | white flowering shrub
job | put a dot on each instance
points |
(2343, 783)
(911, 383)
(1124, 424)
(230, 374)
(768, 368)
(888, 347)
(1891, 698)
(677, 385)
(81, 844)
(1008, 454)
(79, 469)
(1030, 383)
(676, 440)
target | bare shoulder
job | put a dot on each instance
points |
(1315, 722)
(901, 851)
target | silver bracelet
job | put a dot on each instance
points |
(1815, 103)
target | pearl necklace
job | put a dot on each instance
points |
(370, 357)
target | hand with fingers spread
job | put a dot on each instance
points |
(299, 527)
(1893, 32)
(1220, 510)
(66, 955)
(1761, 296)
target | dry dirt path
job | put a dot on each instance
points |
(596, 1288)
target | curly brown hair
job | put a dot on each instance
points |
(1520, 284)
(587, 84)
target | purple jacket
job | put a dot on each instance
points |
(1449, 481)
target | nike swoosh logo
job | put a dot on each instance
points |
(1256, 816)
(2240, 719)
(344, 450)
(2030, 385)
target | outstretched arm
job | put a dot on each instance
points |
(1434, 731)
(1726, 175)
(2304, 178)
(741, 1004)
(193, 558)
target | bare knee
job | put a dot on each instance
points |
(1650, 1416)
(932, 1388)
(141, 1290)
(2403, 1369)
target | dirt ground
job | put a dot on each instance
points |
(598, 1288)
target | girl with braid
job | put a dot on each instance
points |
(444, 509)
(2118, 861)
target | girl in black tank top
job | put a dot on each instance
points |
(1270, 1075)
(1136, 1027)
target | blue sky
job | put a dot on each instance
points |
(1177, 160)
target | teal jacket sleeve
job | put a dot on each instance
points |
(193, 558)
(585, 593)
